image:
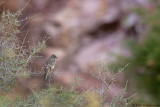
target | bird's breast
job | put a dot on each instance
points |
(53, 67)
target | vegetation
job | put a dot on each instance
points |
(144, 68)
(14, 61)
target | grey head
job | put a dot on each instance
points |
(54, 56)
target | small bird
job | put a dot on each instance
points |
(49, 66)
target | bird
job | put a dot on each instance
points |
(49, 66)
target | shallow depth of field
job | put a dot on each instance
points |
(108, 53)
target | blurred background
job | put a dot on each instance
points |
(83, 33)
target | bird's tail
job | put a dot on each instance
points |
(45, 76)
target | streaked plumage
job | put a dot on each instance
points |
(49, 66)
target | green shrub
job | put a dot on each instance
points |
(144, 68)
(13, 58)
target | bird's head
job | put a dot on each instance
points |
(54, 56)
